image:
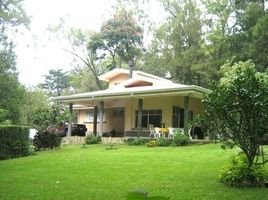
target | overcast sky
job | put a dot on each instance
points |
(36, 54)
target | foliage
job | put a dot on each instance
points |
(92, 139)
(120, 36)
(82, 80)
(56, 82)
(192, 43)
(180, 139)
(177, 44)
(237, 173)
(162, 141)
(136, 141)
(237, 108)
(12, 15)
(50, 116)
(46, 140)
(14, 141)
(12, 95)
(34, 100)
(151, 143)
(85, 58)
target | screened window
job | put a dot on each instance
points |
(90, 116)
(153, 117)
(118, 112)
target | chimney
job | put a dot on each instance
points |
(130, 64)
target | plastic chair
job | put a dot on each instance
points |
(157, 132)
(152, 132)
(170, 133)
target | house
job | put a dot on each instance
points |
(133, 100)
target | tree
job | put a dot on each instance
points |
(12, 15)
(56, 82)
(78, 46)
(120, 36)
(82, 80)
(178, 44)
(237, 109)
(34, 99)
(53, 115)
(237, 32)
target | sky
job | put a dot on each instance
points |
(36, 54)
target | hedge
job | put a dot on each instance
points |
(14, 141)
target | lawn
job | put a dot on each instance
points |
(94, 173)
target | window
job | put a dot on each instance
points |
(178, 117)
(153, 117)
(90, 116)
(118, 112)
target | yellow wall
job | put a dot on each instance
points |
(151, 103)
(163, 103)
(109, 124)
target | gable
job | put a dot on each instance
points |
(118, 79)
(138, 83)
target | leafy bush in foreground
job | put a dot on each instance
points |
(237, 173)
(180, 139)
(14, 141)
(136, 141)
(151, 143)
(92, 139)
(164, 142)
(45, 140)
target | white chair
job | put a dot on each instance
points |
(152, 132)
(157, 132)
(170, 133)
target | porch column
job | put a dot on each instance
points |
(95, 120)
(139, 125)
(186, 114)
(69, 131)
(101, 118)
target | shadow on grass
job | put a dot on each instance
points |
(140, 195)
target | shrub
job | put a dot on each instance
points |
(14, 141)
(180, 139)
(237, 173)
(45, 140)
(92, 139)
(151, 143)
(164, 142)
(137, 141)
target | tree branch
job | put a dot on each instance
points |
(262, 163)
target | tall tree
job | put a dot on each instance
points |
(177, 45)
(78, 41)
(234, 34)
(82, 80)
(12, 15)
(35, 99)
(120, 36)
(56, 82)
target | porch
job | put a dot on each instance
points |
(128, 117)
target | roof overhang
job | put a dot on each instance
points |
(193, 91)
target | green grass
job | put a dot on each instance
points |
(93, 173)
